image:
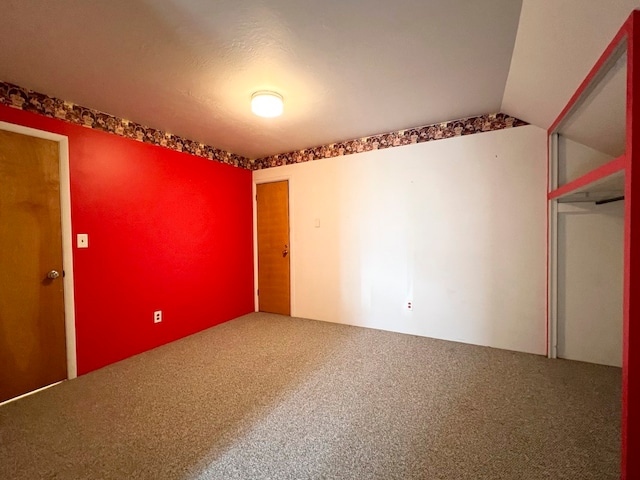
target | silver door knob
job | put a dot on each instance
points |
(53, 274)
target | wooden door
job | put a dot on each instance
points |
(32, 331)
(274, 281)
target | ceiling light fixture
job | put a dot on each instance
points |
(267, 104)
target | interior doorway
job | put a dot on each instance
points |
(590, 282)
(37, 321)
(273, 245)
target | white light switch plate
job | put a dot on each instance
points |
(83, 240)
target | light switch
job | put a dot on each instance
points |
(83, 240)
(317, 223)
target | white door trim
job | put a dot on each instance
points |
(292, 251)
(67, 243)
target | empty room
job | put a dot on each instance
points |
(319, 240)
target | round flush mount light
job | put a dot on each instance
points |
(267, 104)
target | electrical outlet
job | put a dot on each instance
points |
(157, 316)
(409, 305)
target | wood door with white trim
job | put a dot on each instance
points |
(274, 277)
(32, 329)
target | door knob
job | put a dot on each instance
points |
(53, 274)
(285, 251)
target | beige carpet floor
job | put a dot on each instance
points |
(270, 397)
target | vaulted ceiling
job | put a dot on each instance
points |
(346, 68)
(558, 42)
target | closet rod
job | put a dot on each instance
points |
(610, 200)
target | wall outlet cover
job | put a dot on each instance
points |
(83, 240)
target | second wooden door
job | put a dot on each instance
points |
(274, 281)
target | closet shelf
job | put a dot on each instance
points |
(606, 188)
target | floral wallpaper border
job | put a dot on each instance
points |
(25, 99)
(28, 100)
(427, 133)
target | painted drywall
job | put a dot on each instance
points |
(167, 231)
(457, 227)
(557, 43)
(576, 159)
(598, 118)
(590, 282)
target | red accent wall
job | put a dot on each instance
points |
(167, 231)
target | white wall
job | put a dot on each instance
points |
(458, 226)
(576, 159)
(590, 282)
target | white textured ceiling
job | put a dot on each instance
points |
(558, 43)
(345, 68)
